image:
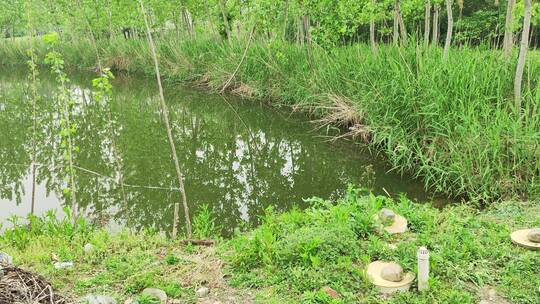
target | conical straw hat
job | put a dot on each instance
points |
(398, 226)
(374, 270)
(520, 238)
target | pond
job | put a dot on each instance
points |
(239, 156)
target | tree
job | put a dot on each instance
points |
(223, 9)
(427, 22)
(165, 115)
(522, 54)
(508, 40)
(450, 28)
(372, 29)
(399, 25)
(435, 35)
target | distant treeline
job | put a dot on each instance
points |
(325, 22)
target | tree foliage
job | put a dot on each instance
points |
(332, 22)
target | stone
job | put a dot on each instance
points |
(5, 258)
(387, 215)
(492, 293)
(330, 292)
(63, 265)
(88, 248)
(534, 235)
(97, 299)
(392, 272)
(156, 293)
(202, 292)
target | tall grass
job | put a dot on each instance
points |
(451, 123)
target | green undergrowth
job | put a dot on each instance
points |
(452, 124)
(292, 256)
(120, 264)
(329, 245)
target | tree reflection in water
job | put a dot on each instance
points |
(239, 157)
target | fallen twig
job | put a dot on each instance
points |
(198, 242)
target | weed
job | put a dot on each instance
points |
(204, 225)
(330, 244)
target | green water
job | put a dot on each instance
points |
(238, 156)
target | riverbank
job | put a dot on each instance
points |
(452, 123)
(294, 256)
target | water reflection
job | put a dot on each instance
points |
(238, 157)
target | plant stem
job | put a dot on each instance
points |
(165, 114)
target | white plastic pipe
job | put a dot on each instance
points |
(423, 268)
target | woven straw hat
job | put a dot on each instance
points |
(399, 224)
(374, 273)
(522, 238)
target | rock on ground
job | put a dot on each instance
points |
(202, 292)
(97, 299)
(5, 258)
(63, 265)
(488, 295)
(88, 248)
(157, 293)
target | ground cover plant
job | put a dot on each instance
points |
(292, 256)
(463, 118)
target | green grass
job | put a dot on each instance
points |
(452, 123)
(121, 264)
(291, 256)
(299, 252)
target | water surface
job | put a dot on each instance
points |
(239, 156)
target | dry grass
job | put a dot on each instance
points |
(341, 111)
(18, 286)
(243, 90)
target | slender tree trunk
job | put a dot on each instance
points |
(508, 40)
(209, 16)
(460, 7)
(109, 115)
(307, 31)
(396, 23)
(399, 25)
(285, 20)
(402, 28)
(300, 36)
(34, 124)
(228, 82)
(165, 114)
(427, 22)
(522, 54)
(73, 188)
(372, 31)
(450, 29)
(435, 35)
(225, 20)
(186, 17)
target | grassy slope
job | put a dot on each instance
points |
(291, 256)
(450, 123)
(121, 264)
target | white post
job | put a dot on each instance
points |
(423, 268)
